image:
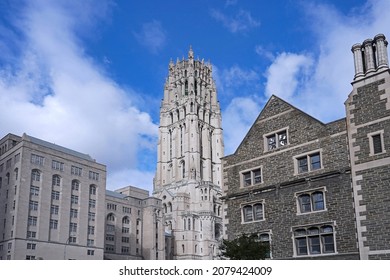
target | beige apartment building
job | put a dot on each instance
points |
(52, 201)
(134, 225)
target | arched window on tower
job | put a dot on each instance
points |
(192, 107)
(171, 117)
(186, 87)
(196, 88)
(183, 169)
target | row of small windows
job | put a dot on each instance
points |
(57, 180)
(280, 139)
(305, 163)
(307, 202)
(55, 195)
(57, 165)
(111, 218)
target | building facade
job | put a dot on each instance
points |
(188, 175)
(134, 228)
(290, 179)
(368, 119)
(52, 201)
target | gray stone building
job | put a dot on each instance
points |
(289, 181)
(368, 119)
(134, 225)
(51, 201)
(188, 175)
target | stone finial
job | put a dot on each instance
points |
(190, 53)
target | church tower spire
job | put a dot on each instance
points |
(188, 175)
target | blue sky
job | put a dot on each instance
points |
(89, 75)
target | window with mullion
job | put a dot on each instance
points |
(251, 177)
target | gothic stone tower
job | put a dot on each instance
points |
(189, 172)
(368, 121)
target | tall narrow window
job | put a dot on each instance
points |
(186, 87)
(183, 169)
(377, 143)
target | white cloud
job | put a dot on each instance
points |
(238, 90)
(57, 93)
(241, 22)
(322, 89)
(285, 74)
(152, 36)
(238, 117)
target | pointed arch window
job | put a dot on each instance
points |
(75, 185)
(56, 181)
(186, 88)
(35, 175)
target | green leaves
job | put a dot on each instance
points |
(245, 247)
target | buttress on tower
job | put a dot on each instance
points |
(189, 172)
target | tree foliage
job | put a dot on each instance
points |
(244, 247)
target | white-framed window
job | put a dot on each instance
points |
(90, 252)
(251, 177)
(90, 242)
(34, 191)
(125, 239)
(125, 249)
(308, 162)
(91, 216)
(110, 248)
(314, 240)
(111, 217)
(31, 234)
(36, 159)
(311, 201)
(33, 205)
(56, 181)
(91, 230)
(36, 175)
(74, 213)
(276, 139)
(75, 170)
(57, 165)
(93, 176)
(73, 227)
(54, 209)
(92, 203)
(125, 230)
(265, 238)
(74, 199)
(252, 212)
(110, 228)
(55, 195)
(92, 189)
(110, 237)
(32, 220)
(75, 185)
(31, 246)
(377, 145)
(53, 224)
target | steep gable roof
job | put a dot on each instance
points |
(274, 107)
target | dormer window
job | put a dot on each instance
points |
(276, 140)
